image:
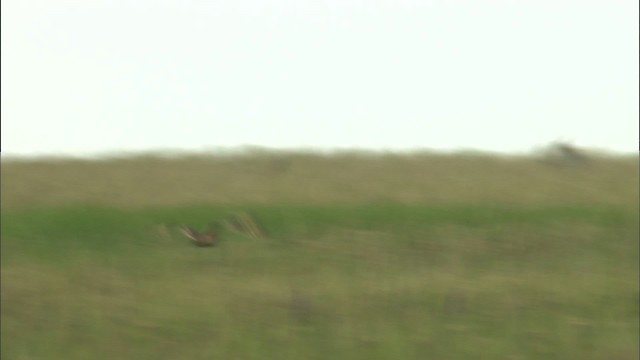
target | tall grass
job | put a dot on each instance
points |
(392, 257)
(268, 178)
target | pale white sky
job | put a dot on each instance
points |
(80, 77)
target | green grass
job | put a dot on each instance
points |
(419, 256)
(349, 282)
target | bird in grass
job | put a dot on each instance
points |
(200, 238)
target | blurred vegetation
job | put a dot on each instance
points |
(364, 257)
(262, 177)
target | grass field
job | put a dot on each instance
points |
(364, 257)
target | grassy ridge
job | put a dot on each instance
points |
(366, 257)
(273, 178)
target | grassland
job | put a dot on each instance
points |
(365, 257)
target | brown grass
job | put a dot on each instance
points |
(262, 178)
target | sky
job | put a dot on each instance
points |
(88, 77)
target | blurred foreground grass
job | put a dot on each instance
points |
(418, 259)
